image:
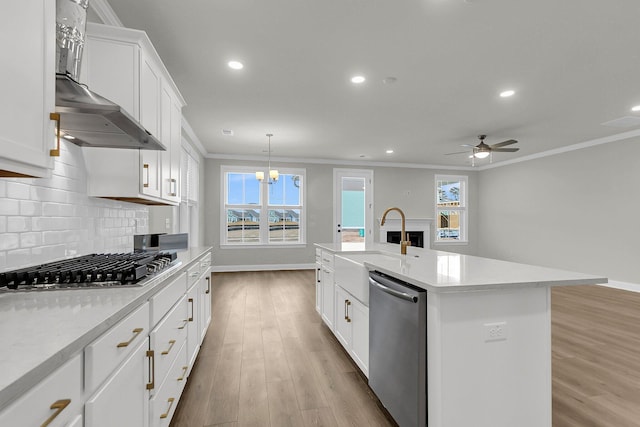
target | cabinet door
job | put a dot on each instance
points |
(150, 118)
(28, 88)
(319, 288)
(123, 400)
(342, 319)
(193, 329)
(327, 297)
(165, 137)
(176, 147)
(205, 304)
(359, 314)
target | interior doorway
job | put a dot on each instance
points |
(353, 207)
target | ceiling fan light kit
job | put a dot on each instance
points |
(483, 150)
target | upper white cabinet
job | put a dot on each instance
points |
(28, 88)
(122, 65)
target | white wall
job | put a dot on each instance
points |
(576, 211)
(319, 188)
(46, 219)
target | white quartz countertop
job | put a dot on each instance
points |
(439, 271)
(41, 330)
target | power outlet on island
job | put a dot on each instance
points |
(496, 331)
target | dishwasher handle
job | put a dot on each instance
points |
(401, 295)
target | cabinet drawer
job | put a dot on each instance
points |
(58, 397)
(168, 337)
(193, 274)
(102, 356)
(162, 302)
(327, 259)
(163, 404)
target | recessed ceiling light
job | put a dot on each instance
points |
(389, 80)
(507, 93)
(357, 79)
(389, 151)
(236, 65)
(636, 108)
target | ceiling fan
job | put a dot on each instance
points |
(483, 150)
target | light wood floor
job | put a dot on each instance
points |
(267, 359)
(596, 357)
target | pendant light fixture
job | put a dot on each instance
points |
(273, 173)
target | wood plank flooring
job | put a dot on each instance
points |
(268, 360)
(596, 357)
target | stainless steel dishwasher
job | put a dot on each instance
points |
(398, 348)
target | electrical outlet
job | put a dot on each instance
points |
(495, 331)
(167, 223)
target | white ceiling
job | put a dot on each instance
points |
(573, 63)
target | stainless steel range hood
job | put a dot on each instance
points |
(86, 118)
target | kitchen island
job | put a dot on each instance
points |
(43, 330)
(488, 330)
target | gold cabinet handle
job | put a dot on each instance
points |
(145, 168)
(348, 318)
(184, 372)
(170, 401)
(171, 343)
(208, 285)
(194, 274)
(184, 324)
(191, 302)
(56, 151)
(174, 181)
(136, 332)
(346, 315)
(152, 369)
(59, 406)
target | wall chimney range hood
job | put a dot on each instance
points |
(86, 118)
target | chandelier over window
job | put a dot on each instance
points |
(273, 173)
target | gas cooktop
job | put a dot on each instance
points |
(89, 271)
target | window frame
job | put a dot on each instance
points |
(263, 207)
(462, 209)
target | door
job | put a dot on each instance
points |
(353, 207)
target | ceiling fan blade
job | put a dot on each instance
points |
(505, 150)
(458, 152)
(504, 143)
(468, 145)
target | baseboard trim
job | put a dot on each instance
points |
(263, 267)
(634, 287)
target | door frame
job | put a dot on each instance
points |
(367, 174)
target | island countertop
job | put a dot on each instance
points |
(439, 271)
(41, 330)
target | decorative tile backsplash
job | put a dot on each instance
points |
(46, 219)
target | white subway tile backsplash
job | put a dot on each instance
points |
(47, 219)
(17, 224)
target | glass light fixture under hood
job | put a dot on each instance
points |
(273, 173)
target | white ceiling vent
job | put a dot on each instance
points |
(227, 132)
(623, 122)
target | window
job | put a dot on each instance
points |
(262, 213)
(451, 208)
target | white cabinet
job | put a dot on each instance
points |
(28, 88)
(122, 65)
(193, 331)
(123, 400)
(57, 399)
(324, 286)
(352, 327)
(319, 288)
(205, 305)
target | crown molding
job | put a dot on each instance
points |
(103, 9)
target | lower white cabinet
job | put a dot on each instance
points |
(205, 304)
(319, 288)
(163, 404)
(57, 401)
(352, 327)
(123, 400)
(193, 330)
(327, 297)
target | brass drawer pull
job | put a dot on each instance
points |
(59, 406)
(194, 274)
(174, 181)
(145, 167)
(171, 343)
(348, 318)
(191, 302)
(208, 285)
(56, 151)
(136, 332)
(184, 324)
(170, 401)
(152, 370)
(184, 372)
